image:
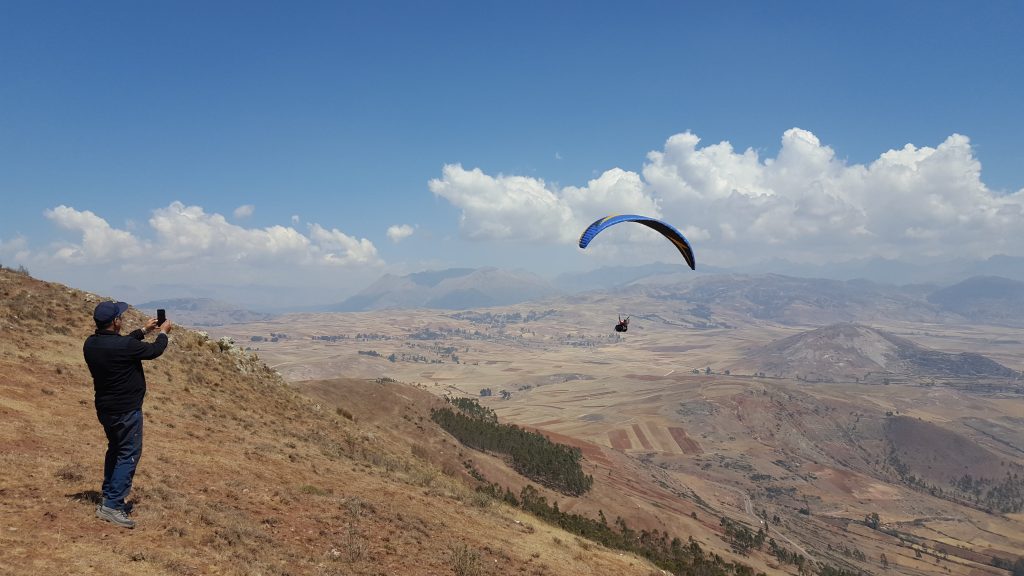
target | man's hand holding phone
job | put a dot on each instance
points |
(160, 322)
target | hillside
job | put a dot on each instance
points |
(853, 352)
(242, 474)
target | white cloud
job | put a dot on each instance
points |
(99, 242)
(336, 247)
(804, 204)
(244, 211)
(528, 209)
(188, 233)
(502, 207)
(399, 232)
(188, 251)
(14, 251)
(202, 244)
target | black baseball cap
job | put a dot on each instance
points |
(106, 312)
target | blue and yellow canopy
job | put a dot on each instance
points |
(666, 230)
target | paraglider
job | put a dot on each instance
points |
(665, 229)
(623, 325)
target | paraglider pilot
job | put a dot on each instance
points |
(623, 325)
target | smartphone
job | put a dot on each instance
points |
(161, 316)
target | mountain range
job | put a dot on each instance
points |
(768, 297)
(983, 299)
(450, 289)
(203, 312)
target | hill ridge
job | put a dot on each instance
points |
(855, 352)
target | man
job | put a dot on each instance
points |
(623, 325)
(115, 362)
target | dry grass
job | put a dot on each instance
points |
(241, 473)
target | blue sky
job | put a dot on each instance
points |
(133, 135)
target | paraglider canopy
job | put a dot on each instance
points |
(665, 229)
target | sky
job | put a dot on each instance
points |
(295, 152)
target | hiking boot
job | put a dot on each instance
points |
(115, 516)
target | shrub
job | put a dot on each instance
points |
(313, 490)
(465, 562)
(70, 473)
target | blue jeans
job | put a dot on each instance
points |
(124, 448)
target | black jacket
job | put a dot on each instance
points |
(115, 362)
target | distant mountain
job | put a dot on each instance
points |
(883, 270)
(1003, 266)
(608, 277)
(202, 312)
(873, 269)
(988, 299)
(451, 289)
(797, 301)
(853, 352)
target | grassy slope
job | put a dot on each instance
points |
(241, 474)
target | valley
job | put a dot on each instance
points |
(686, 429)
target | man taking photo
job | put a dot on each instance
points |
(115, 362)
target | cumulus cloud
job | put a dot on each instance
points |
(191, 237)
(244, 211)
(336, 247)
(14, 251)
(100, 241)
(522, 208)
(399, 232)
(805, 204)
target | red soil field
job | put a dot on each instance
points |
(686, 444)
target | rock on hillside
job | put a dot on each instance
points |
(242, 474)
(853, 352)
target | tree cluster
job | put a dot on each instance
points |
(666, 552)
(1005, 495)
(531, 454)
(741, 538)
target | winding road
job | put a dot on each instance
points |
(748, 508)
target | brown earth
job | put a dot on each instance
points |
(686, 444)
(939, 455)
(242, 473)
(814, 456)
